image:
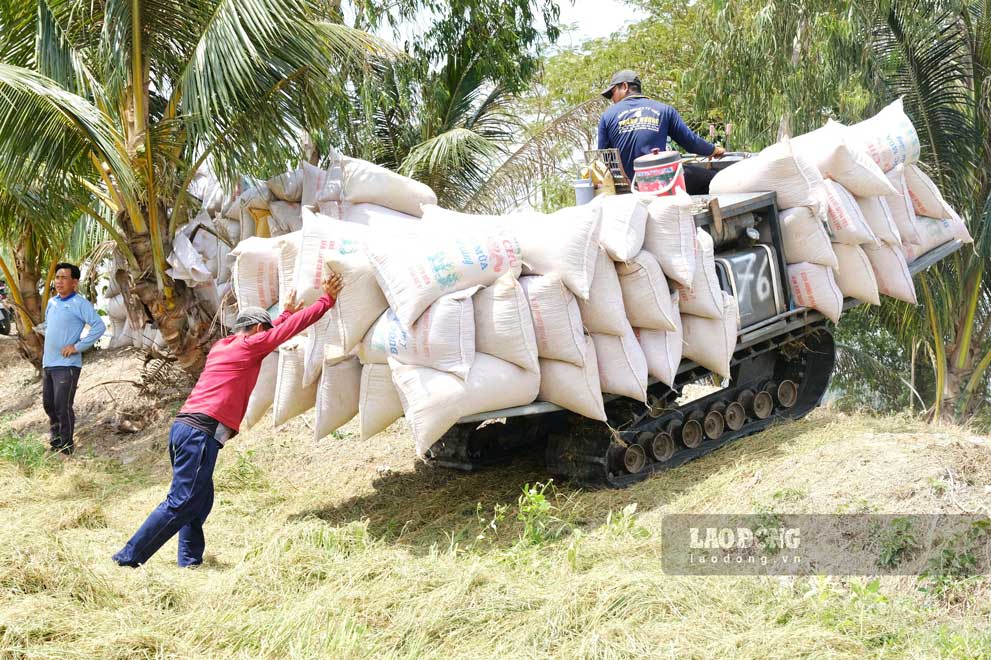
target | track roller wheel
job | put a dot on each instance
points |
(763, 405)
(735, 416)
(746, 399)
(787, 393)
(662, 447)
(691, 433)
(714, 425)
(634, 459)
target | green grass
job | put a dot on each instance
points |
(25, 451)
(324, 559)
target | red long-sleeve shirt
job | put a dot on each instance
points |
(234, 362)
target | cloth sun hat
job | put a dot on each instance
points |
(250, 316)
(620, 77)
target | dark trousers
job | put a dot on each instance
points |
(697, 179)
(58, 392)
(193, 454)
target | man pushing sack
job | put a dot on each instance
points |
(212, 415)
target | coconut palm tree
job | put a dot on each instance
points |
(130, 98)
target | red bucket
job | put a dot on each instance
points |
(659, 173)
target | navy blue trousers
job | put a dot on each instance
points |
(193, 454)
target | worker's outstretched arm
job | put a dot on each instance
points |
(687, 138)
(293, 324)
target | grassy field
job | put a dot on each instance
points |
(347, 550)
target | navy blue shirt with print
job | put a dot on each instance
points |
(638, 124)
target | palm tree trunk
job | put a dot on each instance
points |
(28, 272)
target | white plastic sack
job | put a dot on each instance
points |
(711, 342)
(622, 365)
(877, 213)
(563, 243)
(662, 350)
(574, 388)
(805, 238)
(888, 137)
(288, 256)
(926, 198)
(414, 271)
(321, 238)
(504, 325)
(257, 198)
(337, 395)
(288, 187)
(433, 213)
(206, 187)
(116, 309)
(603, 312)
(380, 218)
(900, 205)
(670, 235)
(255, 276)
(855, 277)
(379, 406)
(320, 185)
(778, 168)
(837, 159)
(367, 182)
(815, 287)
(704, 297)
(557, 321)
(263, 394)
(433, 401)
(292, 398)
(891, 271)
(443, 338)
(286, 217)
(624, 223)
(846, 221)
(646, 296)
(187, 264)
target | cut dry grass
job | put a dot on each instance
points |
(346, 549)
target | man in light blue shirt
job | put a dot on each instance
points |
(66, 316)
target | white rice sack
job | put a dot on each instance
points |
(900, 205)
(805, 238)
(603, 312)
(323, 238)
(847, 164)
(320, 185)
(624, 222)
(438, 214)
(255, 276)
(704, 297)
(711, 342)
(286, 217)
(379, 404)
(292, 398)
(662, 349)
(504, 325)
(443, 338)
(563, 243)
(380, 218)
(780, 169)
(367, 182)
(670, 235)
(622, 365)
(888, 137)
(557, 321)
(359, 304)
(224, 262)
(814, 286)
(287, 187)
(877, 213)
(926, 198)
(855, 277)
(845, 219)
(891, 271)
(186, 263)
(116, 309)
(256, 199)
(646, 296)
(414, 271)
(433, 401)
(934, 232)
(574, 388)
(337, 396)
(288, 255)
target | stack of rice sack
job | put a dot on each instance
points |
(848, 214)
